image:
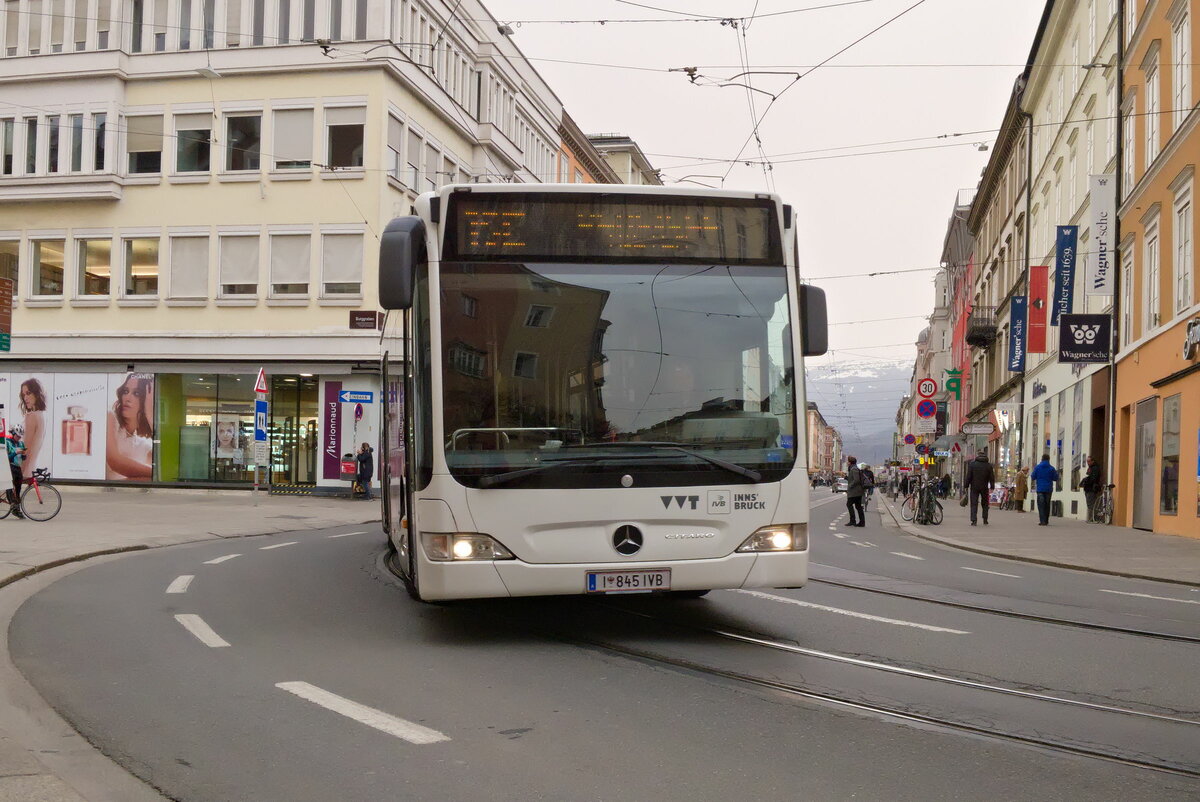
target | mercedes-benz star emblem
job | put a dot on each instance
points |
(627, 540)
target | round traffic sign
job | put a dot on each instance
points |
(909, 439)
(922, 449)
(926, 408)
(927, 388)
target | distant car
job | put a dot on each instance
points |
(840, 485)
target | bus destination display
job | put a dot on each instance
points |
(560, 227)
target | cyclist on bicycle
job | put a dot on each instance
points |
(868, 483)
(16, 454)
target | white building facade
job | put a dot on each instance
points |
(194, 189)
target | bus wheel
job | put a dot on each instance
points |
(687, 594)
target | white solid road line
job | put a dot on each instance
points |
(384, 722)
(180, 584)
(909, 556)
(348, 534)
(203, 632)
(220, 560)
(851, 613)
(993, 573)
(1148, 596)
(278, 545)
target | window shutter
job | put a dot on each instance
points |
(239, 260)
(395, 134)
(341, 258)
(193, 122)
(293, 135)
(354, 116)
(291, 255)
(145, 134)
(189, 267)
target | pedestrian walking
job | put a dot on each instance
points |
(1091, 486)
(1044, 476)
(366, 469)
(854, 493)
(980, 480)
(1021, 490)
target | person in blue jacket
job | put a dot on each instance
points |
(1044, 476)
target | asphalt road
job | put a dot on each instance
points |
(300, 670)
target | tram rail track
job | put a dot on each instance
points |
(1066, 622)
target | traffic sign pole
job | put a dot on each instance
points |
(260, 429)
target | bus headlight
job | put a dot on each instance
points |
(463, 546)
(779, 537)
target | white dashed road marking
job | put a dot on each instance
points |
(278, 545)
(1148, 596)
(384, 722)
(220, 560)
(993, 573)
(851, 613)
(864, 545)
(348, 534)
(203, 632)
(180, 584)
(908, 556)
(842, 535)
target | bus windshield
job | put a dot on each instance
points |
(561, 362)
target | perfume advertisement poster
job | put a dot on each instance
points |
(129, 436)
(31, 400)
(80, 402)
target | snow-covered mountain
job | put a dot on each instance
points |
(860, 400)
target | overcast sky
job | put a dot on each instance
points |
(857, 214)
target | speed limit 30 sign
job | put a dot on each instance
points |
(927, 388)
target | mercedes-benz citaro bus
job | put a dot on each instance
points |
(595, 389)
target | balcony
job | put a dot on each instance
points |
(981, 327)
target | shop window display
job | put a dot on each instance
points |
(1169, 485)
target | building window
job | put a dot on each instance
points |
(525, 365)
(52, 134)
(579, 177)
(31, 142)
(9, 260)
(76, 143)
(1126, 279)
(242, 142)
(189, 267)
(193, 138)
(395, 143)
(341, 264)
(48, 266)
(293, 139)
(1181, 37)
(431, 163)
(344, 133)
(470, 306)
(144, 143)
(1130, 154)
(94, 260)
(1169, 491)
(1185, 264)
(7, 129)
(538, 317)
(1151, 115)
(415, 144)
(1150, 274)
(185, 27)
(291, 255)
(285, 22)
(98, 126)
(141, 267)
(467, 360)
(335, 20)
(239, 265)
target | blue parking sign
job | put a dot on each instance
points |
(260, 420)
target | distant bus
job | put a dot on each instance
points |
(595, 389)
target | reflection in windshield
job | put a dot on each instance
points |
(538, 358)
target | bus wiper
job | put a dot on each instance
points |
(749, 473)
(521, 473)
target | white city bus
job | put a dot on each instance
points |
(595, 389)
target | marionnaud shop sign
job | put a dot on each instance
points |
(1102, 215)
(1017, 309)
(1064, 272)
(1085, 338)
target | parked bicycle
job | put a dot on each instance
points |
(1102, 510)
(921, 506)
(39, 501)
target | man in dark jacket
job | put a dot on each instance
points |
(366, 469)
(979, 479)
(854, 493)
(1091, 486)
(1043, 477)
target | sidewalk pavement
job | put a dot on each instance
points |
(1066, 542)
(96, 521)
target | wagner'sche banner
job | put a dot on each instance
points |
(1085, 339)
(1039, 300)
(1065, 253)
(1018, 321)
(1100, 270)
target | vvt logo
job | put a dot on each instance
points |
(690, 501)
(1084, 333)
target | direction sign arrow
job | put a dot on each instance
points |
(356, 397)
(978, 427)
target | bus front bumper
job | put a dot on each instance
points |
(501, 578)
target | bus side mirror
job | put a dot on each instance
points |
(401, 249)
(814, 321)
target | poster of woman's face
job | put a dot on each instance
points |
(32, 398)
(228, 440)
(130, 440)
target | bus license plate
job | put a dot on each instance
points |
(628, 581)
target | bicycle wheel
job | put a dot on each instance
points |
(1102, 511)
(43, 505)
(908, 507)
(935, 513)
